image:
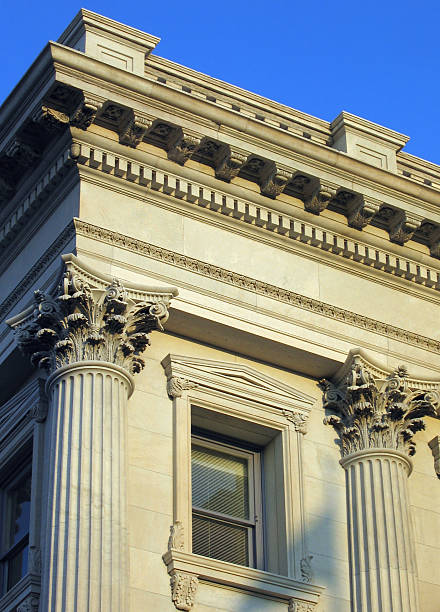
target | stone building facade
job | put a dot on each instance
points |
(219, 345)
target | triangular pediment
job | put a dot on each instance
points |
(236, 379)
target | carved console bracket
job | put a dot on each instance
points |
(320, 197)
(85, 113)
(403, 226)
(228, 163)
(91, 317)
(133, 128)
(361, 211)
(182, 145)
(273, 180)
(377, 409)
(434, 445)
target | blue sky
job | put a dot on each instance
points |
(378, 60)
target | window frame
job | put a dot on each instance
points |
(255, 525)
(249, 398)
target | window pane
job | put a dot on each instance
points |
(220, 540)
(17, 566)
(220, 482)
(20, 506)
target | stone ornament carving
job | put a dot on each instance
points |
(49, 118)
(229, 163)
(34, 560)
(306, 569)
(320, 198)
(299, 420)
(84, 321)
(296, 605)
(374, 412)
(434, 445)
(23, 153)
(39, 408)
(183, 590)
(176, 540)
(402, 228)
(181, 146)
(30, 604)
(133, 129)
(85, 113)
(273, 181)
(176, 386)
(362, 211)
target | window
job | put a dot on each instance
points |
(226, 502)
(15, 513)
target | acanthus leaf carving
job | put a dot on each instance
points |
(85, 113)
(299, 420)
(319, 198)
(183, 590)
(402, 227)
(176, 541)
(176, 386)
(134, 128)
(228, 163)
(181, 146)
(82, 322)
(274, 181)
(373, 412)
(434, 445)
(306, 569)
(361, 211)
(34, 560)
(297, 605)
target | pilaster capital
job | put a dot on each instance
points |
(376, 409)
(91, 317)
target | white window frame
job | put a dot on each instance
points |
(255, 524)
(238, 392)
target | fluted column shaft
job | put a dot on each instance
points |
(86, 533)
(383, 571)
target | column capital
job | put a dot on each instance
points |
(91, 317)
(376, 409)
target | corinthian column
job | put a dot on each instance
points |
(89, 335)
(377, 416)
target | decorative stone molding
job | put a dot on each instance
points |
(183, 590)
(362, 211)
(296, 605)
(320, 198)
(376, 411)
(402, 227)
(306, 569)
(298, 419)
(34, 560)
(181, 146)
(245, 282)
(85, 113)
(176, 540)
(134, 128)
(274, 180)
(229, 163)
(176, 386)
(89, 319)
(39, 408)
(30, 604)
(434, 445)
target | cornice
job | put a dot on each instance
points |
(261, 217)
(250, 284)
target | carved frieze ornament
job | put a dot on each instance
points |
(183, 590)
(299, 420)
(296, 605)
(87, 318)
(375, 410)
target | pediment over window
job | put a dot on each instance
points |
(234, 379)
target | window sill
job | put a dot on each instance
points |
(241, 577)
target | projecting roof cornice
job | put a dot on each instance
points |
(73, 89)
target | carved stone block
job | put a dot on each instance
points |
(229, 164)
(183, 590)
(176, 386)
(296, 605)
(434, 445)
(30, 604)
(320, 198)
(181, 146)
(361, 211)
(133, 129)
(85, 113)
(402, 227)
(50, 119)
(273, 181)
(21, 152)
